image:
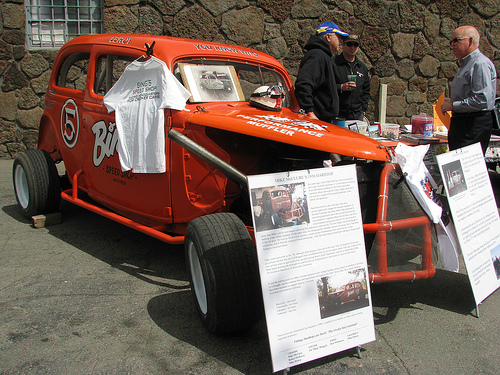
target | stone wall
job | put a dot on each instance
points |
(405, 44)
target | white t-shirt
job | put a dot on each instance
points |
(139, 98)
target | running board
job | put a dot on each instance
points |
(71, 195)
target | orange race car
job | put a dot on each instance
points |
(241, 119)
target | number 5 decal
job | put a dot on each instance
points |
(70, 126)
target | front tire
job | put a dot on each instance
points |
(223, 271)
(276, 220)
(36, 183)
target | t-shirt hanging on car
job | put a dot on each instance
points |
(144, 89)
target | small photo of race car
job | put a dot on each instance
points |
(334, 300)
(215, 81)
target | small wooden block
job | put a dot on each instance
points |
(41, 221)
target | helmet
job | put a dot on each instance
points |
(267, 97)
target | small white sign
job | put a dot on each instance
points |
(312, 263)
(475, 214)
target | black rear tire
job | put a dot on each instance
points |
(223, 271)
(36, 183)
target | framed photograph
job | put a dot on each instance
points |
(211, 83)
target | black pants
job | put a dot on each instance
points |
(352, 115)
(469, 128)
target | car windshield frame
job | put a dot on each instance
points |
(247, 77)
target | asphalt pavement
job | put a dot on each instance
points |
(89, 296)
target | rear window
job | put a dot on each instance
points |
(72, 73)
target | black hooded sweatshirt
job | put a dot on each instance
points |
(315, 87)
(353, 104)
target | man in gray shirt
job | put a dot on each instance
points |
(473, 92)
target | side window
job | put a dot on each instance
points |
(73, 71)
(109, 68)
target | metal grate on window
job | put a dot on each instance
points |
(51, 23)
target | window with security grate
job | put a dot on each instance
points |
(51, 23)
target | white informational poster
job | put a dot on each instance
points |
(312, 262)
(475, 213)
(423, 187)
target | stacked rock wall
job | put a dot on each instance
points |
(405, 44)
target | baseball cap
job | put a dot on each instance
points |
(328, 28)
(352, 38)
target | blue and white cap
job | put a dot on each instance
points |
(330, 27)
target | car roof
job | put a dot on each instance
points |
(169, 48)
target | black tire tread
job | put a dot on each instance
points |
(43, 182)
(230, 253)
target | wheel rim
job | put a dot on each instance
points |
(22, 190)
(197, 278)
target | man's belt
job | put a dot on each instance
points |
(470, 114)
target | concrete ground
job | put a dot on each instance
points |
(90, 296)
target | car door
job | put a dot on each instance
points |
(144, 197)
(65, 100)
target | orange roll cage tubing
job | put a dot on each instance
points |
(381, 227)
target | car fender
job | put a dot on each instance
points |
(47, 138)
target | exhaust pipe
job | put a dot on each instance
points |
(216, 162)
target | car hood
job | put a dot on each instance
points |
(289, 127)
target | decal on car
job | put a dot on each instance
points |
(120, 40)
(70, 123)
(206, 47)
(294, 122)
(105, 141)
(290, 129)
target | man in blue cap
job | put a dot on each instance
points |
(315, 87)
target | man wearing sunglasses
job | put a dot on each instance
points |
(315, 87)
(352, 79)
(473, 92)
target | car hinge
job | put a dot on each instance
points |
(194, 197)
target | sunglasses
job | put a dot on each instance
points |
(457, 39)
(351, 44)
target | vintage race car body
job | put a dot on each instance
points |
(77, 129)
(353, 291)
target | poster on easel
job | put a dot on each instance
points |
(475, 215)
(312, 263)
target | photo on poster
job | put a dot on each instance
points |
(453, 176)
(342, 292)
(279, 206)
(495, 258)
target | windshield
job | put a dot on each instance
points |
(222, 81)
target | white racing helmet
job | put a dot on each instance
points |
(267, 97)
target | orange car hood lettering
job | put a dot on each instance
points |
(289, 128)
